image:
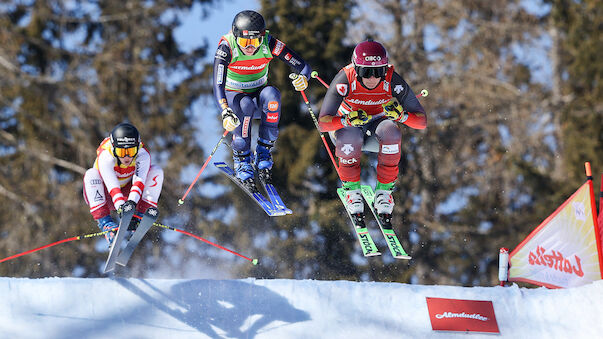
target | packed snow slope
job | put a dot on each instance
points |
(249, 308)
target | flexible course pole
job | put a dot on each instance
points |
(181, 200)
(293, 76)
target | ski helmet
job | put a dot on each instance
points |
(248, 25)
(370, 59)
(124, 136)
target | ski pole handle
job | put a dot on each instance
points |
(314, 74)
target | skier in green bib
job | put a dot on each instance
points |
(242, 92)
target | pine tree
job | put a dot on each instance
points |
(70, 73)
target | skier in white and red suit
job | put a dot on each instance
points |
(364, 105)
(122, 171)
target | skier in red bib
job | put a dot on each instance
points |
(122, 172)
(363, 109)
(242, 92)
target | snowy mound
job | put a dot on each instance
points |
(249, 308)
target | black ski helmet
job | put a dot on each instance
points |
(249, 25)
(125, 135)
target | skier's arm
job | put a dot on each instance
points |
(106, 168)
(143, 164)
(288, 56)
(417, 118)
(329, 119)
(221, 61)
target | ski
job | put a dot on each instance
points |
(266, 205)
(367, 244)
(145, 224)
(273, 195)
(124, 222)
(395, 247)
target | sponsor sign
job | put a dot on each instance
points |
(272, 117)
(273, 106)
(462, 315)
(390, 149)
(245, 129)
(278, 48)
(562, 252)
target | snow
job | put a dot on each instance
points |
(250, 308)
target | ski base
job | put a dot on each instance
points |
(150, 216)
(266, 205)
(119, 237)
(394, 245)
(367, 244)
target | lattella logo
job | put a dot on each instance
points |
(476, 316)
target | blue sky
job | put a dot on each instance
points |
(194, 28)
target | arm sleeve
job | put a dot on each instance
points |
(288, 56)
(106, 167)
(328, 119)
(417, 118)
(221, 61)
(143, 164)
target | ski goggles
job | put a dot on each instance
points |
(367, 72)
(244, 42)
(122, 152)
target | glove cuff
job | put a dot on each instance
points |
(403, 118)
(344, 122)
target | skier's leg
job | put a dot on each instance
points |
(150, 195)
(348, 149)
(244, 107)
(390, 139)
(95, 195)
(270, 104)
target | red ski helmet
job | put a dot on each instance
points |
(370, 59)
(369, 54)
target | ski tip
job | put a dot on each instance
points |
(180, 202)
(374, 254)
(407, 257)
(254, 262)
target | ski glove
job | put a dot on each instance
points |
(394, 111)
(126, 207)
(355, 118)
(300, 83)
(229, 119)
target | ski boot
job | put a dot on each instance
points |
(263, 160)
(244, 169)
(107, 223)
(354, 202)
(384, 203)
(136, 218)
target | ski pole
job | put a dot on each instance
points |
(314, 74)
(253, 261)
(53, 244)
(293, 76)
(181, 200)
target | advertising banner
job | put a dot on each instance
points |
(462, 315)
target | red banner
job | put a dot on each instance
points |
(462, 315)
